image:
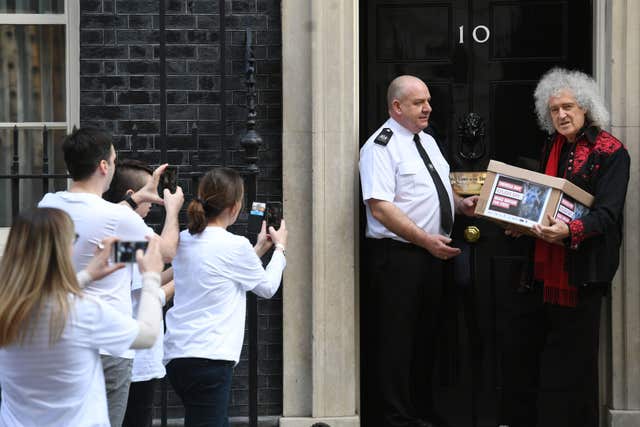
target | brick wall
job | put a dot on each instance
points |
(120, 82)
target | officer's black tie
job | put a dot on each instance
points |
(446, 217)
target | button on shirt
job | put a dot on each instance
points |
(396, 173)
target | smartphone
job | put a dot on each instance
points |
(256, 216)
(125, 251)
(169, 179)
(273, 214)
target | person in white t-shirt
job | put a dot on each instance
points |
(213, 270)
(51, 329)
(90, 159)
(130, 176)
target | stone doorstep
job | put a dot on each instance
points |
(266, 421)
(622, 418)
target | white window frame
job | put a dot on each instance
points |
(71, 20)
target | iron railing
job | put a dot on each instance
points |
(15, 175)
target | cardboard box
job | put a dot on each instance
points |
(520, 197)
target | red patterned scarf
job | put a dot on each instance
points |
(549, 259)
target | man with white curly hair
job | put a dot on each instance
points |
(550, 364)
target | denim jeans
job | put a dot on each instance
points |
(204, 386)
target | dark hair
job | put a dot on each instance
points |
(218, 189)
(84, 149)
(130, 174)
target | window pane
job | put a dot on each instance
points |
(31, 159)
(32, 73)
(32, 6)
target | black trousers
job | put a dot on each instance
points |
(204, 386)
(140, 404)
(550, 361)
(404, 292)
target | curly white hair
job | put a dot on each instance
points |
(584, 90)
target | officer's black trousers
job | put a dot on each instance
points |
(550, 361)
(404, 292)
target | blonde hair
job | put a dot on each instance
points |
(36, 270)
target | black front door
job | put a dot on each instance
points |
(483, 57)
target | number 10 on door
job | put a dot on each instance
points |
(480, 34)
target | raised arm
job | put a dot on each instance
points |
(171, 230)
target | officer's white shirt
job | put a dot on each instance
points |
(396, 173)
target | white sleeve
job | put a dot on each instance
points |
(274, 275)
(136, 278)
(109, 329)
(149, 311)
(377, 174)
(247, 271)
(83, 278)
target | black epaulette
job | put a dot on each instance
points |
(384, 137)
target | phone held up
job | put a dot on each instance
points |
(270, 212)
(273, 214)
(169, 179)
(125, 251)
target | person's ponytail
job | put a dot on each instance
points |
(197, 217)
(219, 189)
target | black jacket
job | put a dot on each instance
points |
(599, 164)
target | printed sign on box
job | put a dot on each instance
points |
(518, 201)
(570, 209)
(520, 197)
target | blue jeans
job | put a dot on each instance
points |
(204, 387)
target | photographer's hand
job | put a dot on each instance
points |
(151, 260)
(149, 193)
(279, 236)
(173, 201)
(99, 266)
(171, 229)
(263, 243)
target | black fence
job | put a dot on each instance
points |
(46, 176)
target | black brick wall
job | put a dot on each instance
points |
(120, 82)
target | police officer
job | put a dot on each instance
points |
(410, 206)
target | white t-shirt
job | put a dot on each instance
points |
(213, 271)
(96, 219)
(147, 363)
(63, 384)
(396, 173)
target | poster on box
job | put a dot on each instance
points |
(570, 209)
(517, 201)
